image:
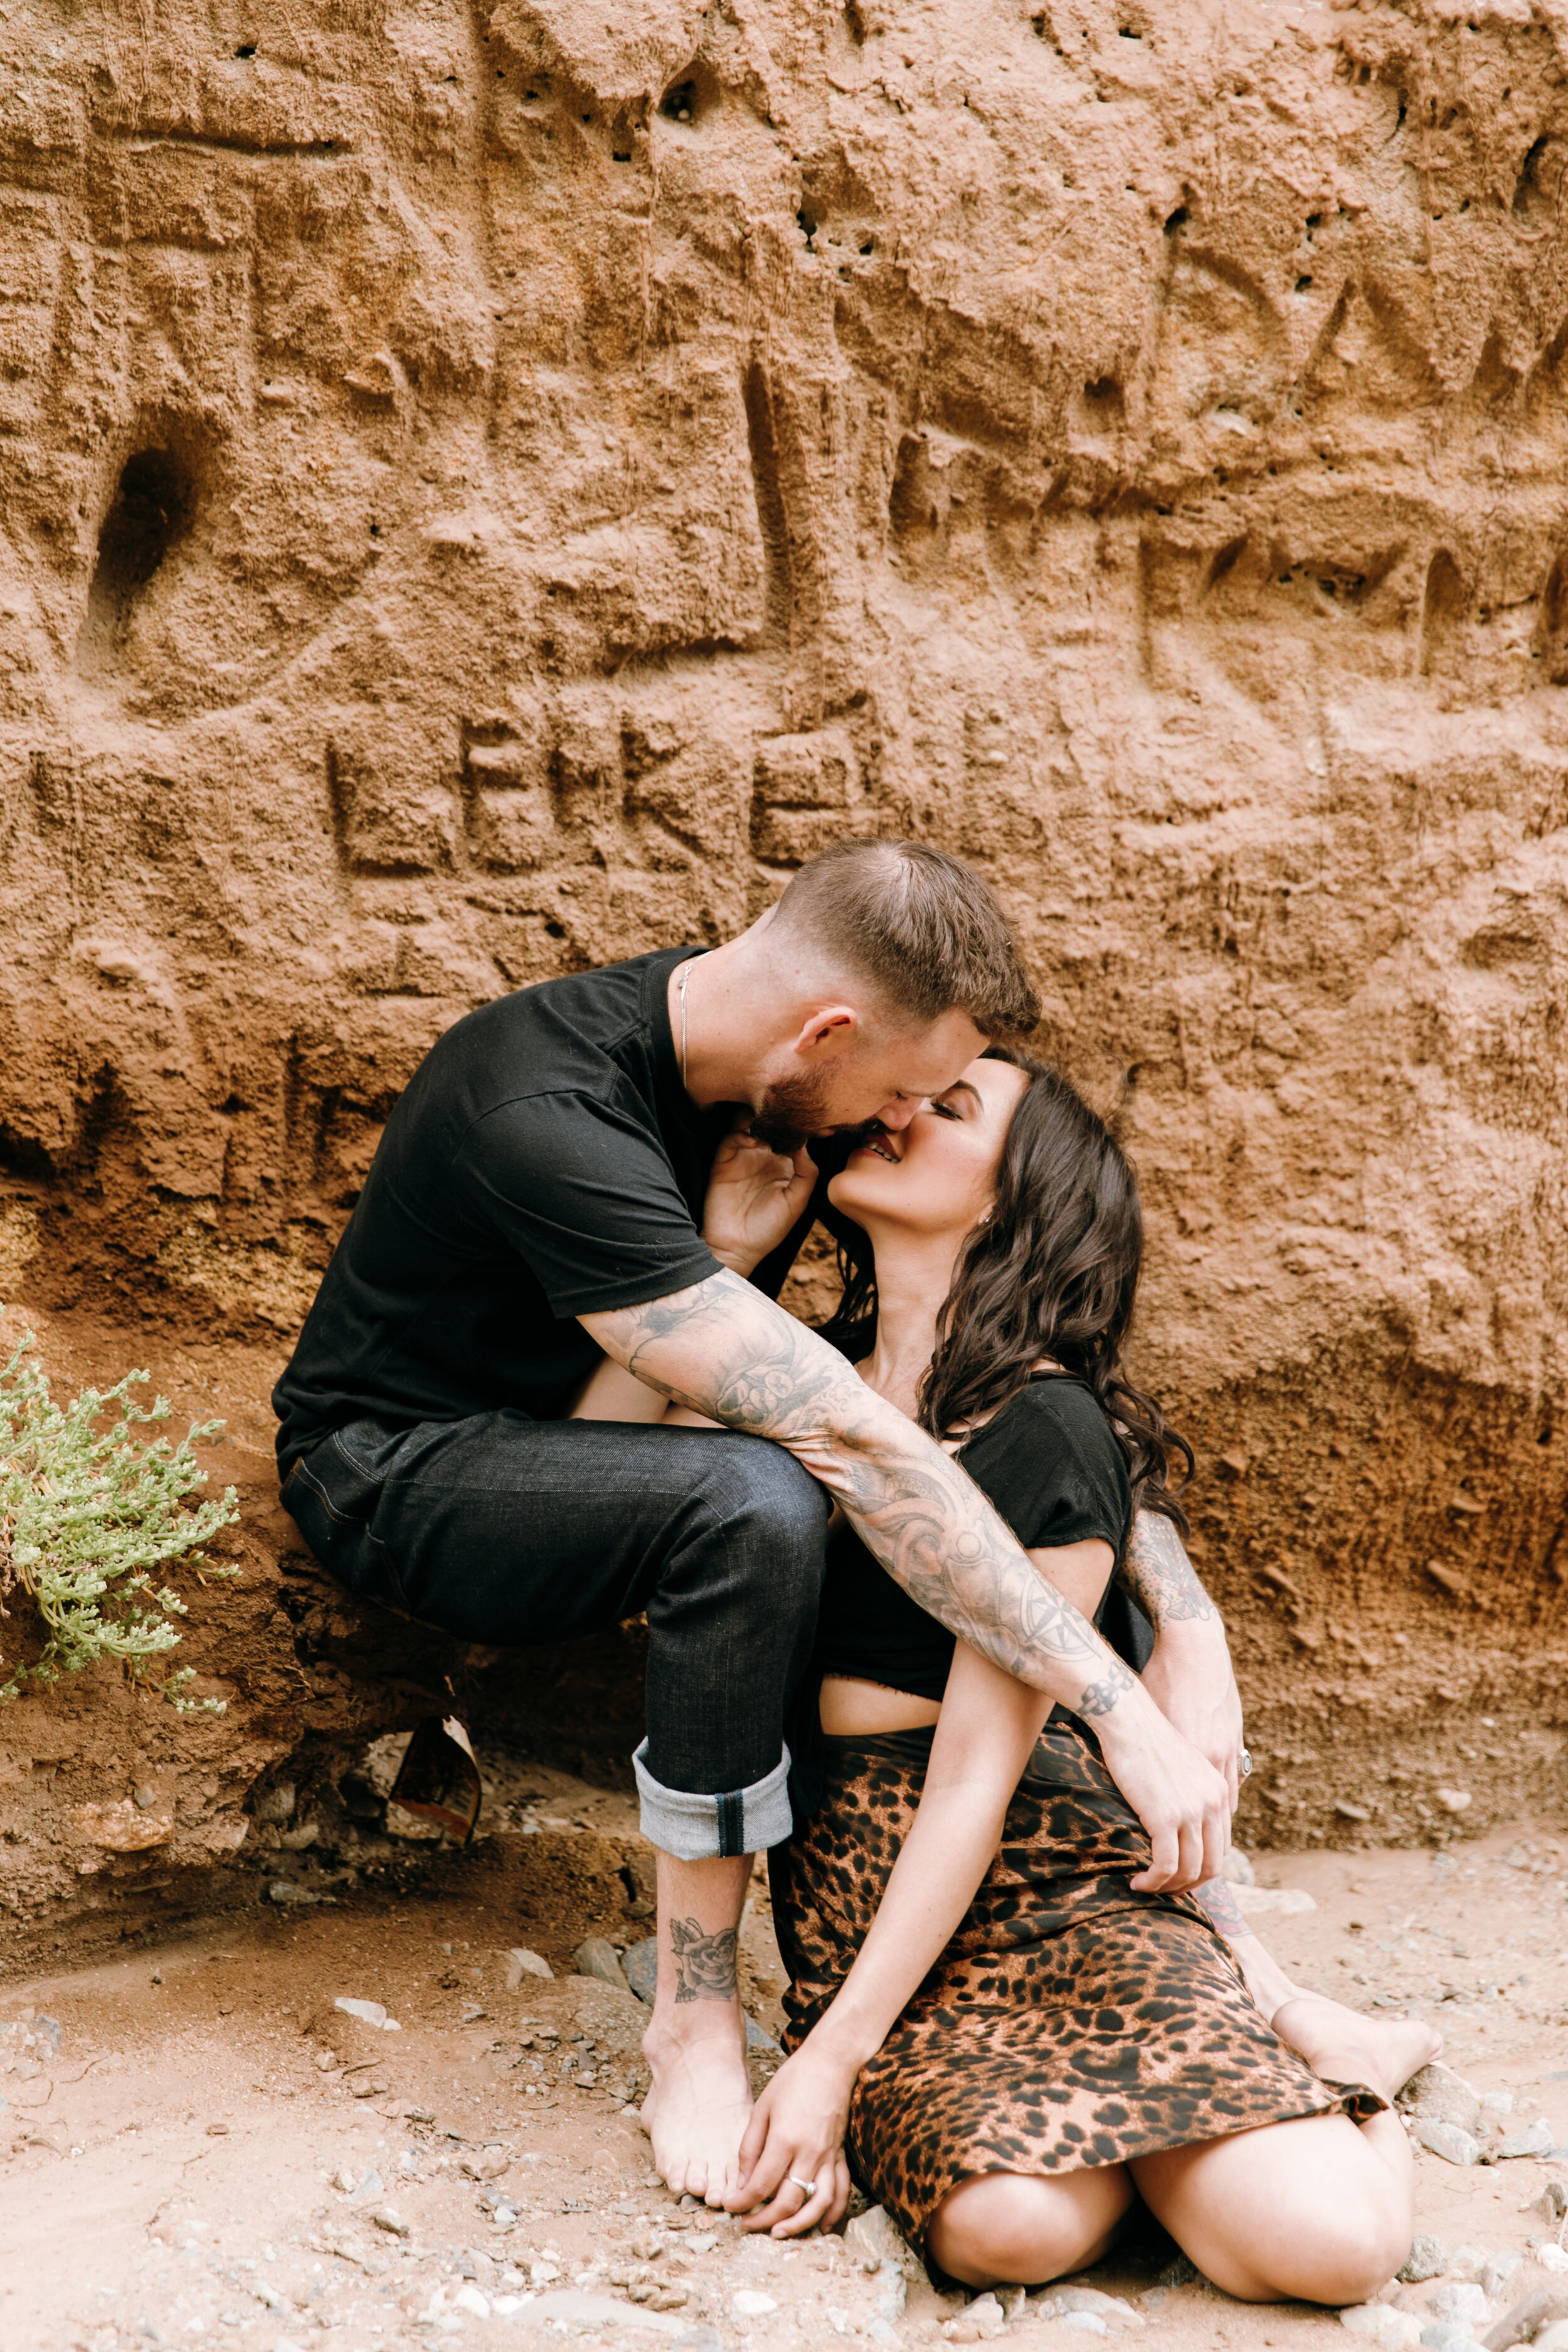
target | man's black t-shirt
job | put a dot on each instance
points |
(545, 1162)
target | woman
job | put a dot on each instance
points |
(1009, 2032)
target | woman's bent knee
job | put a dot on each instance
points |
(1305, 2209)
(1022, 2228)
(1353, 2258)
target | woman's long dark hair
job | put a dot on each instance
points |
(1052, 1274)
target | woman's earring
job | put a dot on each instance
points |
(985, 1216)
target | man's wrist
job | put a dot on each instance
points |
(1126, 1715)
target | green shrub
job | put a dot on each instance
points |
(87, 1512)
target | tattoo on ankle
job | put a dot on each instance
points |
(704, 1965)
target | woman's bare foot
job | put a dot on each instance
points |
(697, 2111)
(1341, 2046)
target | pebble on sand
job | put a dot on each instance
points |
(1437, 2094)
(639, 1966)
(983, 2320)
(521, 1962)
(1465, 2300)
(1496, 2272)
(1537, 2138)
(1427, 2258)
(1446, 2140)
(1380, 2325)
(597, 1956)
(874, 2238)
(369, 2012)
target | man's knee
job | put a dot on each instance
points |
(771, 1512)
(787, 1496)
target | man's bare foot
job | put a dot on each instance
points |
(1342, 2046)
(700, 2101)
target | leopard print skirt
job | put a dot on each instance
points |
(1070, 2023)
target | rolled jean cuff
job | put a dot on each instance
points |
(703, 1829)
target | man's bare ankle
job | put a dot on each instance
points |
(707, 2024)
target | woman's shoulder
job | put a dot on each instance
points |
(1059, 1400)
(1063, 1414)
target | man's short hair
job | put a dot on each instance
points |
(921, 927)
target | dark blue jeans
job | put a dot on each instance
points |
(506, 1530)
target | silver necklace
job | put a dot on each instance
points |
(680, 979)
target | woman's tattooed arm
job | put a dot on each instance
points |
(1156, 1571)
(1223, 1908)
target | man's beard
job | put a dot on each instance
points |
(792, 1110)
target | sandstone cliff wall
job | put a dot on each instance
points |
(483, 491)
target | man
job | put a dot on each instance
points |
(532, 1210)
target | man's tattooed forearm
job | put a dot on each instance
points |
(1158, 1575)
(1223, 1908)
(989, 1594)
(725, 1351)
(757, 1380)
(1099, 1697)
(704, 1965)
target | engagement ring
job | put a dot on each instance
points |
(808, 2185)
(1245, 1763)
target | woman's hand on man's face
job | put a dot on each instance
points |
(755, 1196)
(797, 2136)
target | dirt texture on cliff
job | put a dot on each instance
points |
(485, 491)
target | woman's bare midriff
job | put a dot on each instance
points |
(851, 1710)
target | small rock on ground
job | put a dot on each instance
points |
(1446, 2140)
(597, 1958)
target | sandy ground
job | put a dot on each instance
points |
(213, 2159)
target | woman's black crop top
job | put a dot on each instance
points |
(1050, 1463)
